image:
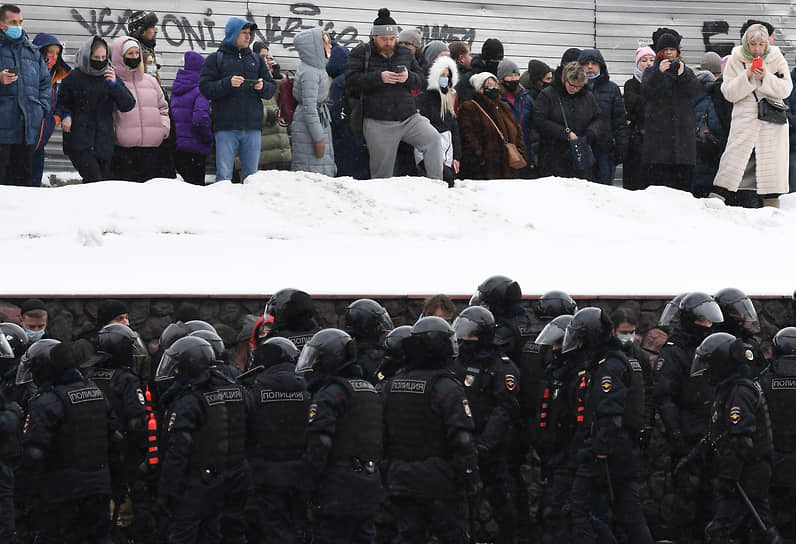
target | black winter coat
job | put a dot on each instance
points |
(90, 100)
(464, 91)
(583, 118)
(384, 102)
(669, 118)
(614, 140)
(428, 104)
(233, 108)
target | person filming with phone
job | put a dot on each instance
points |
(384, 73)
(24, 96)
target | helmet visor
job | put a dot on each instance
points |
(166, 368)
(476, 299)
(551, 335)
(669, 313)
(139, 350)
(6, 351)
(709, 310)
(24, 372)
(308, 359)
(385, 323)
(744, 310)
(571, 340)
(465, 328)
(700, 365)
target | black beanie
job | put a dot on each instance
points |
(109, 309)
(32, 304)
(492, 50)
(751, 22)
(667, 40)
(384, 25)
(570, 55)
(537, 70)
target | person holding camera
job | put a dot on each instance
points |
(25, 99)
(386, 73)
(669, 87)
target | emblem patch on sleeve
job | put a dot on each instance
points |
(659, 364)
(467, 408)
(469, 380)
(511, 382)
(172, 419)
(606, 384)
(735, 415)
(140, 396)
(27, 424)
(313, 412)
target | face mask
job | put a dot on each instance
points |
(511, 85)
(132, 63)
(34, 336)
(151, 69)
(490, 92)
(545, 85)
(595, 76)
(443, 83)
(627, 339)
(14, 32)
(98, 64)
(50, 62)
(491, 67)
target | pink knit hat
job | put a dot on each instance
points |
(643, 52)
(724, 62)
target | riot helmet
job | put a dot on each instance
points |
(590, 328)
(698, 313)
(475, 322)
(188, 360)
(671, 310)
(720, 356)
(367, 319)
(6, 351)
(214, 340)
(553, 304)
(289, 309)
(431, 339)
(172, 333)
(328, 352)
(784, 343)
(497, 293)
(553, 332)
(740, 316)
(274, 351)
(36, 364)
(118, 345)
(199, 325)
(16, 338)
(394, 352)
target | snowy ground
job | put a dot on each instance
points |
(399, 236)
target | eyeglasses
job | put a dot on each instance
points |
(572, 85)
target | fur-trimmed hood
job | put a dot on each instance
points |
(436, 70)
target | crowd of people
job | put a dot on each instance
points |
(498, 424)
(395, 106)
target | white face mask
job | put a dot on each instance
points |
(627, 339)
(151, 69)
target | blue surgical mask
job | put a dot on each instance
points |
(34, 336)
(443, 82)
(14, 32)
(595, 76)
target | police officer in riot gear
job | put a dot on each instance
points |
(289, 313)
(367, 322)
(281, 404)
(779, 387)
(741, 321)
(204, 473)
(671, 313)
(223, 363)
(66, 441)
(110, 368)
(491, 383)
(738, 444)
(17, 342)
(10, 452)
(683, 402)
(394, 353)
(614, 414)
(344, 440)
(430, 455)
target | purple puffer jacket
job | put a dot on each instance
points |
(190, 109)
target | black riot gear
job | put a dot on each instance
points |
(6, 351)
(328, 352)
(497, 292)
(172, 333)
(36, 364)
(740, 316)
(721, 355)
(276, 351)
(553, 333)
(432, 340)
(214, 340)
(118, 346)
(671, 310)
(189, 359)
(475, 322)
(289, 309)
(394, 353)
(784, 343)
(199, 325)
(590, 325)
(555, 303)
(699, 307)
(367, 319)
(16, 337)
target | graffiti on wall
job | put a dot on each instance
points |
(204, 33)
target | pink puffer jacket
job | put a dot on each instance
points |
(147, 124)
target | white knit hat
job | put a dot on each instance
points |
(477, 81)
(128, 45)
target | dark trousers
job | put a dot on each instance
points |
(37, 167)
(500, 489)
(343, 530)
(417, 520)
(191, 166)
(16, 162)
(676, 176)
(83, 520)
(89, 166)
(7, 510)
(135, 163)
(277, 515)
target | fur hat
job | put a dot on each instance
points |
(537, 70)
(492, 50)
(384, 25)
(751, 22)
(507, 67)
(438, 67)
(477, 81)
(411, 35)
(670, 37)
(711, 61)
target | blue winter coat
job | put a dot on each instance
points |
(522, 109)
(57, 74)
(24, 104)
(235, 108)
(190, 109)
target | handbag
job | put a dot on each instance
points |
(582, 155)
(771, 111)
(514, 157)
(356, 115)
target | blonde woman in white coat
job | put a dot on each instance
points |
(742, 81)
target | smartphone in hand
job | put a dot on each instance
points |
(13, 70)
(757, 63)
(251, 81)
(400, 68)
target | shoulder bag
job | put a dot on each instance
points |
(515, 158)
(582, 155)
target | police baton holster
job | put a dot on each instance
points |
(772, 534)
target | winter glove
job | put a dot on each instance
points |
(320, 149)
